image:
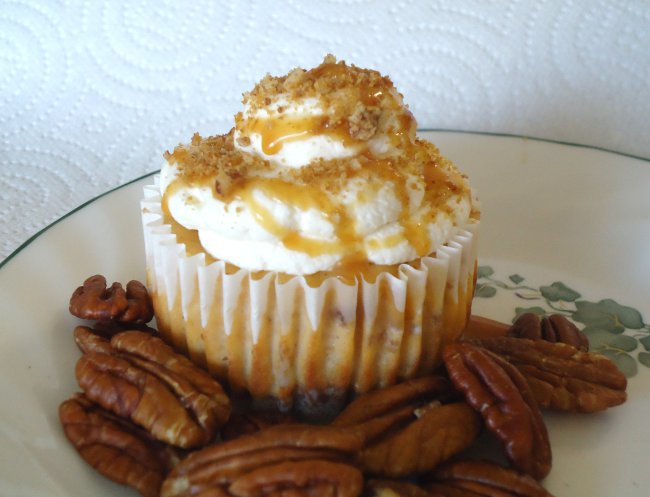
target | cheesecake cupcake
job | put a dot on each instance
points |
(318, 249)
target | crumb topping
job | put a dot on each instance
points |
(353, 97)
(215, 159)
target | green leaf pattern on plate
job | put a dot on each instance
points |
(615, 330)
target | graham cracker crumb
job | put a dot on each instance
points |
(363, 122)
(340, 87)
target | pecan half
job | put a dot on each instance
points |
(94, 300)
(116, 449)
(306, 478)
(406, 430)
(382, 401)
(273, 458)
(481, 478)
(497, 390)
(144, 380)
(89, 341)
(554, 328)
(560, 376)
(434, 434)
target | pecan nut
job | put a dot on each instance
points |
(560, 376)
(308, 459)
(144, 380)
(300, 478)
(89, 341)
(496, 389)
(406, 430)
(95, 301)
(482, 478)
(117, 450)
(435, 433)
(365, 411)
(554, 328)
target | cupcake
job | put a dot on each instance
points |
(319, 249)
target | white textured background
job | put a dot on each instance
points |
(92, 93)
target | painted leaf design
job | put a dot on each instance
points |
(485, 291)
(515, 278)
(644, 358)
(559, 291)
(645, 341)
(540, 311)
(607, 314)
(601, 339)
(485, 271)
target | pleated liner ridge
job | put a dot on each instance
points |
(302, 346)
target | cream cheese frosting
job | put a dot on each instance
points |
(322, 170)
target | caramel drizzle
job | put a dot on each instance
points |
(276, 131)
(279, 129)
(347, 241)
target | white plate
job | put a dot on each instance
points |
(558, 221)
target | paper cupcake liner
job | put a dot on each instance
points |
(292, 342)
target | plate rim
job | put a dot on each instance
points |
(41, 231)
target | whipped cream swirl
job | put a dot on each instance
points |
(324, 179)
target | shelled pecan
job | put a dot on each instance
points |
(89, 341)
(378, 403)
(144, 380)
(482, 479)
(298, 459)
(554, 328)
(115, 448)
(406, 430)
(498, 391)
(94, 300)
(432, 436)
(560, 376)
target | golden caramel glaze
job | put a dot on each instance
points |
(349, 274)
(342, 88)
(355, 104)
(231, 174)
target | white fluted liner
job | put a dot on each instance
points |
(291, 341)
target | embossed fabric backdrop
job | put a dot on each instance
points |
(92, 93)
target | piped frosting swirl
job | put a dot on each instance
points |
(321, 171)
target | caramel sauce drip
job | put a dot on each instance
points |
(277, 131)
(346, 273)
(347, 242)
(302, 198)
